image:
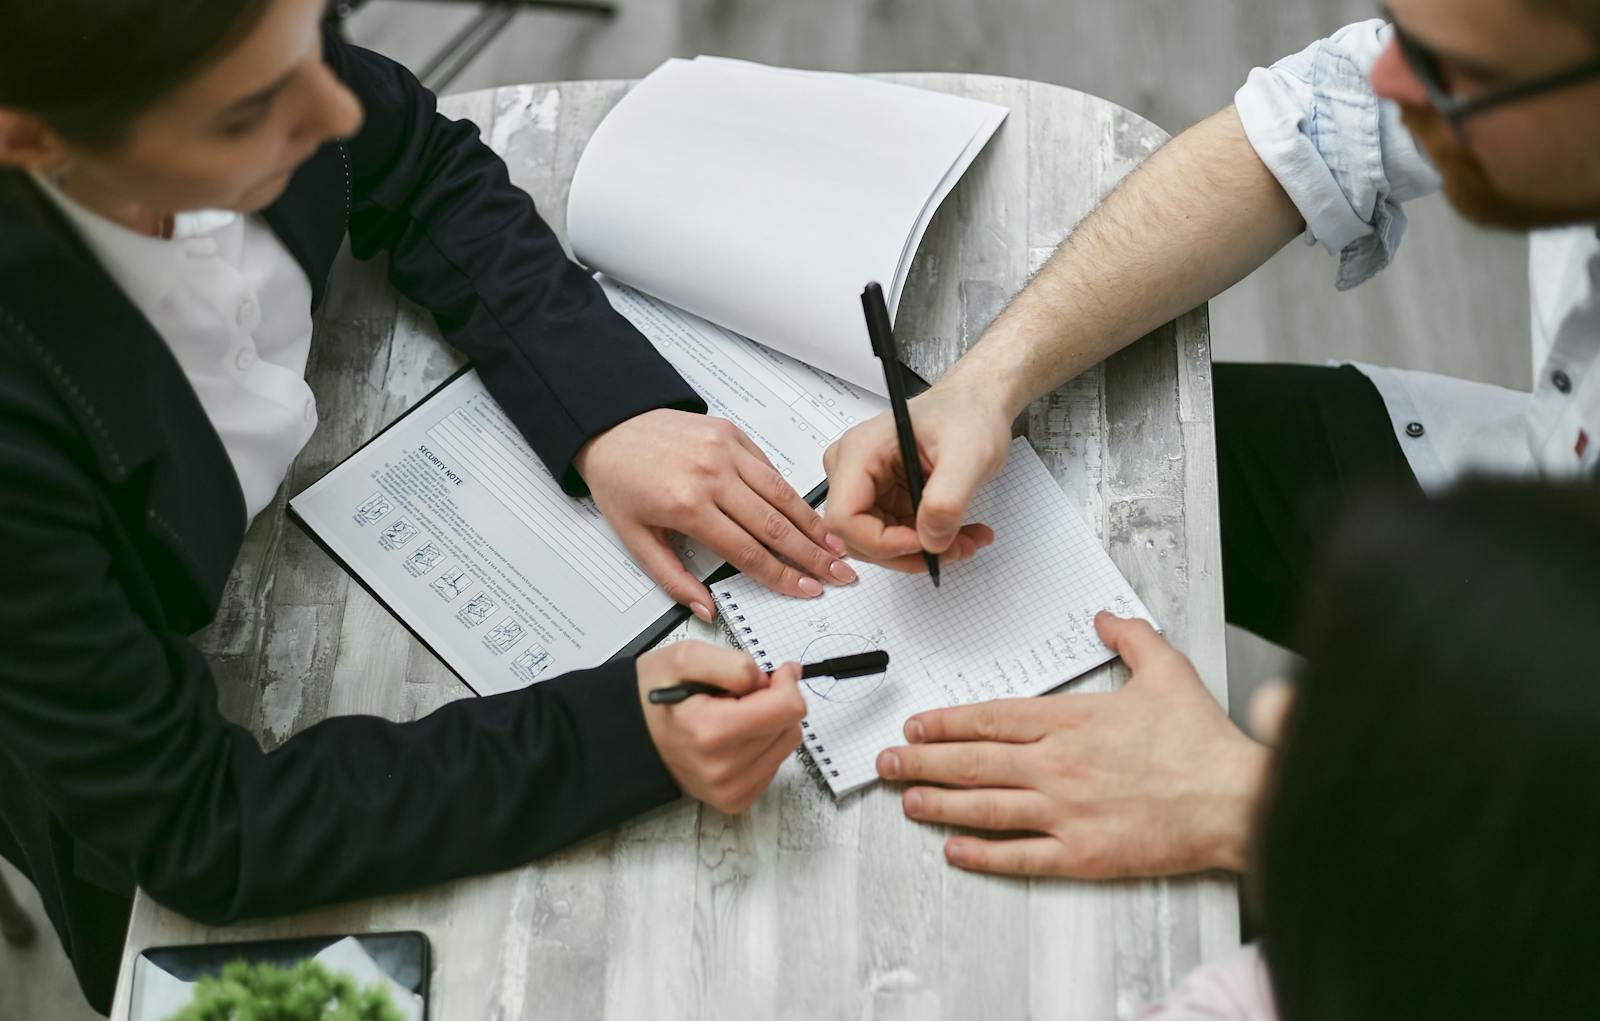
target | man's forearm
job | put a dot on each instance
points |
(1197, 217)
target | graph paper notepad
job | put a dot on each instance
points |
(1016, 620)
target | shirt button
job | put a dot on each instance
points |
(245, 359)
(1561, 381)
(1414, 429)
(248, 314)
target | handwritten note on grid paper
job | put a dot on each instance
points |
(1017, 620)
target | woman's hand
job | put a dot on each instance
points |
(671, 471)
(723, 751)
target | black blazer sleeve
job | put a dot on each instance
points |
(112, 717)
(467, 245)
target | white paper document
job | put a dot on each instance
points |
(1016, 620)
(454, 522)
(764, 199)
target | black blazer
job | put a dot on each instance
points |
(121, 517)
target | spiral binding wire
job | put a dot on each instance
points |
(749, 644)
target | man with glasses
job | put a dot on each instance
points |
(1495, 101)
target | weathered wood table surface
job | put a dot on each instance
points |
(802, 907)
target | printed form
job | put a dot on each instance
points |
(454, 522)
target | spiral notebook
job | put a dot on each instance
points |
(1016, 620)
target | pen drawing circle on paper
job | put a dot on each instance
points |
(834, 689)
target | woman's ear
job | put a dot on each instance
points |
(1269, 706)
(27, 143)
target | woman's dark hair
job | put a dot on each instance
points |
(1429, 846)
(88, 68)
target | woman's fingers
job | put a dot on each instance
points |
(781, 536)
(764, 477)
(660, 561)
(733, 543)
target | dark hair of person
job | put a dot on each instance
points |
(1429, 843)
(89, 68)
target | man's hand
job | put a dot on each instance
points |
(723, 751)
(1202, 213)
(1149, 780)
(962, 436)
(670, 471)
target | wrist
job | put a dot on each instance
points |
(583, 460)
(586, 460)
(997, 376)
(1242, 771)
(991, 391)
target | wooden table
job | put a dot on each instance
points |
(802, 907)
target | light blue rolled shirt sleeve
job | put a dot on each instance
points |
(1342, 154)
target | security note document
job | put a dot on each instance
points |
(733, 212)
(456, 525)
(1016, 620)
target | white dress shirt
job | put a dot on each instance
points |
(1349, 164)
(235, 310)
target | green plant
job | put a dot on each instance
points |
(306, 992)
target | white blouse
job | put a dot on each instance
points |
(235, 310)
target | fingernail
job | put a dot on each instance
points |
(889, 765)
(914, 731)
(810, 587)
(956, 851)
(913, 802)
(700, 610)
(834, 543)
(841, 570)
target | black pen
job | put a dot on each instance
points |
(882, 334)
(859, 665)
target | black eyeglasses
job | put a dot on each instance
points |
(1424, 63)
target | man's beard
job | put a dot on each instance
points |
(1469, 189)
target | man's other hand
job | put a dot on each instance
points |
(1149, 780)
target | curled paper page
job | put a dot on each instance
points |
(763, 199)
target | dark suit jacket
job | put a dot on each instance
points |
(121, 517)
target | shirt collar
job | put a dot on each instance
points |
(146, 268)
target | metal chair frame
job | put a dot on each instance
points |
(460, 49)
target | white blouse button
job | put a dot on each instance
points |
(245, 359)
(248, 315)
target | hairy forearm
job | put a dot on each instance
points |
(1197, 217)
